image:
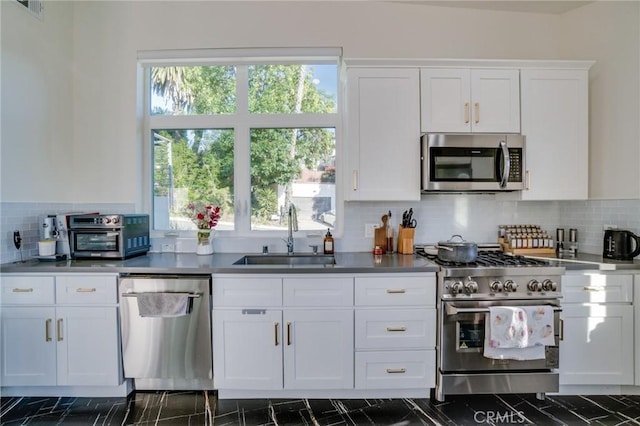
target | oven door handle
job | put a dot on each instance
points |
(452, 310)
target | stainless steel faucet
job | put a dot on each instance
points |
(292, 227)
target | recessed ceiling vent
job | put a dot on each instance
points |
(35, 7)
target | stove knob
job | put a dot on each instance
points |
(510, 285)
(456, 287)
(471, 287)
(107, 220)
(116, 219)
(496, 286)
(534, 285)
(548, 285)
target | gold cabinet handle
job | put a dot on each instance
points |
(396, 370)
(396, 328)
(288, 334)
(466, 112)
(276, 326)
(22, 290)
(396, 291)
(59, 329)
(561, 329)
(85, 290)
(476, 113)
(593, 288)
(354, 178)
(47, 326)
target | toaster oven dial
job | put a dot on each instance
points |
(496, 286)
(548, 285)
(456, 287)
(534, 285)
(510, 285)
(471, 287)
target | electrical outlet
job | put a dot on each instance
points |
(168, 248)
(369, 229)
(605, 227)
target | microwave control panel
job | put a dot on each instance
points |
(515, 171)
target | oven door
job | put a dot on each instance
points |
(463, 336)
(96, 243)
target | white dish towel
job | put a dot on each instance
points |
(519, 333)
(163, 305)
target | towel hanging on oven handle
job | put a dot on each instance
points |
(452, 310)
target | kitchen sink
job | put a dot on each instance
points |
(284, 259)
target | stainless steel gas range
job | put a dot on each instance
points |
(465, 294)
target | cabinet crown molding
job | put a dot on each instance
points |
(469, 63)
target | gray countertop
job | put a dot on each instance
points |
(585, 261)
(190, 263)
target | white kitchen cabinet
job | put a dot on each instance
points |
(382, 143)
(555, 124)
(60, 331)
(462, 100)
(636, 309)
(304, 343)
(598, 331)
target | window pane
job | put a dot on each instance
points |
(192, 166)
(193, 90)
(293, 166)
(290, 89)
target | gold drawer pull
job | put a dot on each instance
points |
(392, 291)
(276, 325)
(23, 290)
(396, 370)
(47, 335)
(593, 288)
(85, 290)
(396, 328)
(59, 329)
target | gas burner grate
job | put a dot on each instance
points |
(488, 259)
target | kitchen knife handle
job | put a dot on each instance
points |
(355, 180)
(466, 112)
(477, 112)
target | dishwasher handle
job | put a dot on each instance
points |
(165, 276)
(190, 295)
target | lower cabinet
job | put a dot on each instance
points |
(44, 341)
(598, 330)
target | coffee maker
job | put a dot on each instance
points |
(56, 227)
(618, 245)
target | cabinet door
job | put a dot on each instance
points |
(445, 100)
(383, 135)
(28, 346)
(495, 101)
(247, 349)
(598, 345)
(318, 352)
(88, 348)
(555, 124)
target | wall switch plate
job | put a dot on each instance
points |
(369, 229)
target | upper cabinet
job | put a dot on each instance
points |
(555, 124)
(463, 100)
(382, 134)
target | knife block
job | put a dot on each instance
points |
(405, 240)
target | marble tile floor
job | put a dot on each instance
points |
(202, 408)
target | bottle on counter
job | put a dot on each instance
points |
(328, 242)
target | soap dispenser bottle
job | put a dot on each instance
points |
(328, 243)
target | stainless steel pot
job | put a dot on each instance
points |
(457, 251)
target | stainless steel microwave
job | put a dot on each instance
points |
(111, 236)
(465, 163)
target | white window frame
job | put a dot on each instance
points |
(241, 122)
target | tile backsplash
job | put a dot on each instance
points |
(474, 216)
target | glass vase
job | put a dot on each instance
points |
(204, 246)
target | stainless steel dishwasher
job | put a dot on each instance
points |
(167, 352)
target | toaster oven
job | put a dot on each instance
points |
(112, 236)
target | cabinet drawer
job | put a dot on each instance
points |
(251, 291)
(597, 288)
(394, 290)
(317, 291)
(395, 328)
(87, 289)
(395, 369)
(26, 290)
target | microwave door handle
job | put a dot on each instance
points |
(506, 164)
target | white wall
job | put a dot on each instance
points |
(37, 113)
(609, 33)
